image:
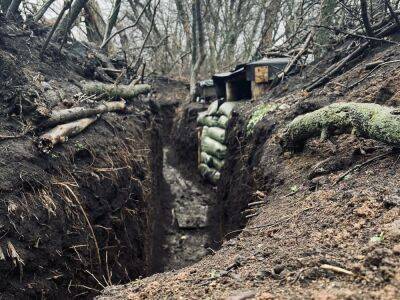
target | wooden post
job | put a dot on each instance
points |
(259, 89)
(230, 91)
(199, 134)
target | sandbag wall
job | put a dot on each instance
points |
(212, 149)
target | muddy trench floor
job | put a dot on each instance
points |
(188, 203)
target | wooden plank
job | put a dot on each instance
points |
(261, 74)
(259, 89)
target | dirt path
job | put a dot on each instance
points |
(188, 234)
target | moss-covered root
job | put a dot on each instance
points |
(365, 119)
(126, 92)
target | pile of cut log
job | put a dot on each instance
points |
(66, 123)
(212, 150)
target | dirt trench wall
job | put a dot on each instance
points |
(82, 217)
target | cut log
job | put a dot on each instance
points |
(72, 114)
(61, 133)
(368, 120)
(126, 92)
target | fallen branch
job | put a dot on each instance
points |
(372, 38)
(126, 92)
(368, 120)
(336, 68)
(343, 176)
(76, 113)
(377, 65)
(295, 59)
(61, 133)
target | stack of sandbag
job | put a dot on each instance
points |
(213, 139)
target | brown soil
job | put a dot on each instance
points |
(82, 217)
(309, 223)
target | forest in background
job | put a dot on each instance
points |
(195, 39)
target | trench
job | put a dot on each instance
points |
(189, 206)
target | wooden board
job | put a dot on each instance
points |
(261, 74)
(259, 89)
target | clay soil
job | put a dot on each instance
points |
(316, 234)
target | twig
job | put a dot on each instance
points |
(105, 43)
(372, 71)
(337, 269)
(67, 5)
(86, 219)
(146, 38)
(372, 38)
(299, 54)
(360, 166)
(336, 68)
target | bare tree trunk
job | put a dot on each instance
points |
(95, 25)
(270, 18)
(112, 20)
(326, 20)
(13, 9)
(67, 22)
(365, 18)
(43, 10)
(53, 29)
(198, 41)
(184, 20)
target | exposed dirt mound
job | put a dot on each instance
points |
(83, 216)
(328, 223)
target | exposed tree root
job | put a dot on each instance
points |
(367, 120)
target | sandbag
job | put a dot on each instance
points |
(209, 173)
(223, 122)
(216, 163)
(213, 108)
(206, 158)
(215, 177)
(215, 133)
(212, 161)
(213, 147)
(226, 109)
(204, 170)
(201, 116)
(210, 121)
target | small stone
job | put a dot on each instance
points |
(364, 211)
(396, 249)
(46, 86)
(392, 230)
(278, 269)
(392, 200)
(263, 274)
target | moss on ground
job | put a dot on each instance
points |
(258, 114)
